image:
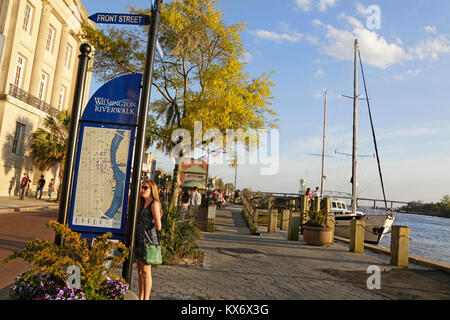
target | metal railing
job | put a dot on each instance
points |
(31, 100)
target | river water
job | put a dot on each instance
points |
(430, 236)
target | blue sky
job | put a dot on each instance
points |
(308, 44)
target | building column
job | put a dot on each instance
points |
(40, 48)
(60, 65)
(9, 31)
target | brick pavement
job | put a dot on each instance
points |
(241, 266)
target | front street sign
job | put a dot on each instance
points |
(121, 18)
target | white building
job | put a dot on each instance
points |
(39, 48)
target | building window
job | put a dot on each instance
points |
(20, 69)
(27, 18)
(62, 94)
(68, 56)
(42, 86)
(18, 138)
(50, 39)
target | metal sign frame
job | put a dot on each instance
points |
(85, 229)
(113, 106)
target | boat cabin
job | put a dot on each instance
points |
(339, 207)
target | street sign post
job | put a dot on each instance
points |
(121, 18)
(129, 19)
(152, 47)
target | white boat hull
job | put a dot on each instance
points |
(376, 226)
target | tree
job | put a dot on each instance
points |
(201, 77)
(445, 202)
(49, 147)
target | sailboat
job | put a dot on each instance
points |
(376, 226)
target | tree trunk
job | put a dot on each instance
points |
(60, 176)
(175, 186)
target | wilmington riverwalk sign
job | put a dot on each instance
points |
(103, 166)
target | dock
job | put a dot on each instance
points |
(238, 265)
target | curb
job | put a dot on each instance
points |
(25, 209)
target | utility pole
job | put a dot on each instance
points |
(323, 144)
(355, 126)
(140, 139)
(235, 177)
(207, 171)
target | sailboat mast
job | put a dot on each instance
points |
(355, 125)
(323, 144)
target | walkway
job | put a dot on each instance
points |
(240, 266)
(14, 204)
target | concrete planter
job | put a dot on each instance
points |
(317, 236)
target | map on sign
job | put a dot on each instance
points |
(101, 180)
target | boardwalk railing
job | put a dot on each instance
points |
(250, 212)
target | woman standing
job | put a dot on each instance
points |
(148, 223)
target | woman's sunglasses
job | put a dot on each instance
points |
(144, 187)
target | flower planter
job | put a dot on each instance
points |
(318, 236)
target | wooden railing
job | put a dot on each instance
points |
(250, 212)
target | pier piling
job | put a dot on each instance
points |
(285, 220)
(357, 236)
(400, 246)
(294, 225)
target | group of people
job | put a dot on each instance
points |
(314, 194)
(190, 199)
(25, 186)
(222, 198)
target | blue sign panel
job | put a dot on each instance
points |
(103, 166)
(121, 18)
(115, 102)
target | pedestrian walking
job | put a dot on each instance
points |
(40, 187)
(195, 199)
(51, 188)
(24, 185)
(148, 224)
(185, 202)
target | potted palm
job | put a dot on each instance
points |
(315, 231)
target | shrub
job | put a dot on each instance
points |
(317, 218)
(95, 261)
(179, 236)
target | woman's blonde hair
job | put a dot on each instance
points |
(153, 191)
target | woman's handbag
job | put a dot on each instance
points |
(153, 254)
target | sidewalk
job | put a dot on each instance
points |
(240, 266)
(14, 204)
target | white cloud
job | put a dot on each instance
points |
(319, 73)
(324, 4)
(278, 37)
(362, 10)
(317, 22)
(406, 74)
(430, 29)
(377, 51)
(432, 48)
(304, 4)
